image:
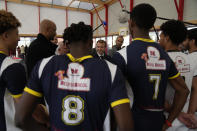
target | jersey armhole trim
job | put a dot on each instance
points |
(42, 65)
(195, 76)
(32, 92)
(119, 102)
(16, 96)
(175, 76)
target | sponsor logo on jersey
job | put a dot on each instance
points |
(153, 61)
(75, 80)
(181, 65)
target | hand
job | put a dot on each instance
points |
(41, 115)
(184, 118)
(165, 127)
(193, 120)
(189, 120)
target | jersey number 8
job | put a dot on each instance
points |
(155, 78)
(73, 110)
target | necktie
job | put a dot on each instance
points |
(102, 57)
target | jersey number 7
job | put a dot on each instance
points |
(156, 79)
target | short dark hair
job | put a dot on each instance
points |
(102, 41)
(78, 33)
(176, 31)
(144, 15)
(192, 34)
(8, 21)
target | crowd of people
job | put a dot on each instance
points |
(145, 86)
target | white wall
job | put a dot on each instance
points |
(102, 15)
(58, 16)
(27, 15)
(164, 8)
(2, 5)
(76, 17)
(190, 10)
(114, 11)
(94, 23)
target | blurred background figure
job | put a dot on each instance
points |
(62, 49)
(18, 51)
(41, 47)
(118, 46)
(22, 55)
(55, 40)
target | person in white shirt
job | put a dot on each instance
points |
(173, 34)
(190, 119)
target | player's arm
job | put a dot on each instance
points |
(15, 78)
(28, 103)
(123, 117)
(181, 93)
(24, 111)
(118, 60)
(193, 97)
(120, 103)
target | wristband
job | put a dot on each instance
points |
(169, 124)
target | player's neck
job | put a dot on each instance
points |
(3, 48)
(79, 51)
(141, 34)
(171, 46)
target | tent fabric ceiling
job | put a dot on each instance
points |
(68, 3)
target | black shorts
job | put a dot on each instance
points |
(147, 120)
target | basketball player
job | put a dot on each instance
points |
(78, 88)
(173, 34)
(191, 46)
(12, 73)
(148, 68)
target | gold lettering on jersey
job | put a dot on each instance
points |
(74, 80)
(153, 61)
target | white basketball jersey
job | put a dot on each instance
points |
(183, 65)
(193, 58)
(190, 59)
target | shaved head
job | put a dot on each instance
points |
(48, 29)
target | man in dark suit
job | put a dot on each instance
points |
(41, 47)
(99, 51)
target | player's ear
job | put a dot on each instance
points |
(131, 25)
(166, 38)
(90, 43)
(4, 36)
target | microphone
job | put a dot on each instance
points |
(103, 23)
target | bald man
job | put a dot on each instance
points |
(42, 47)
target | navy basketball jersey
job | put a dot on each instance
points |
(12, 79)
(79, 91)
(147, 68)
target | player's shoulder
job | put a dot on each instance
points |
(193, 54)
(12, 63)
(175, 55)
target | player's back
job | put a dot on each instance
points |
(147, 68)
(79, 93)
